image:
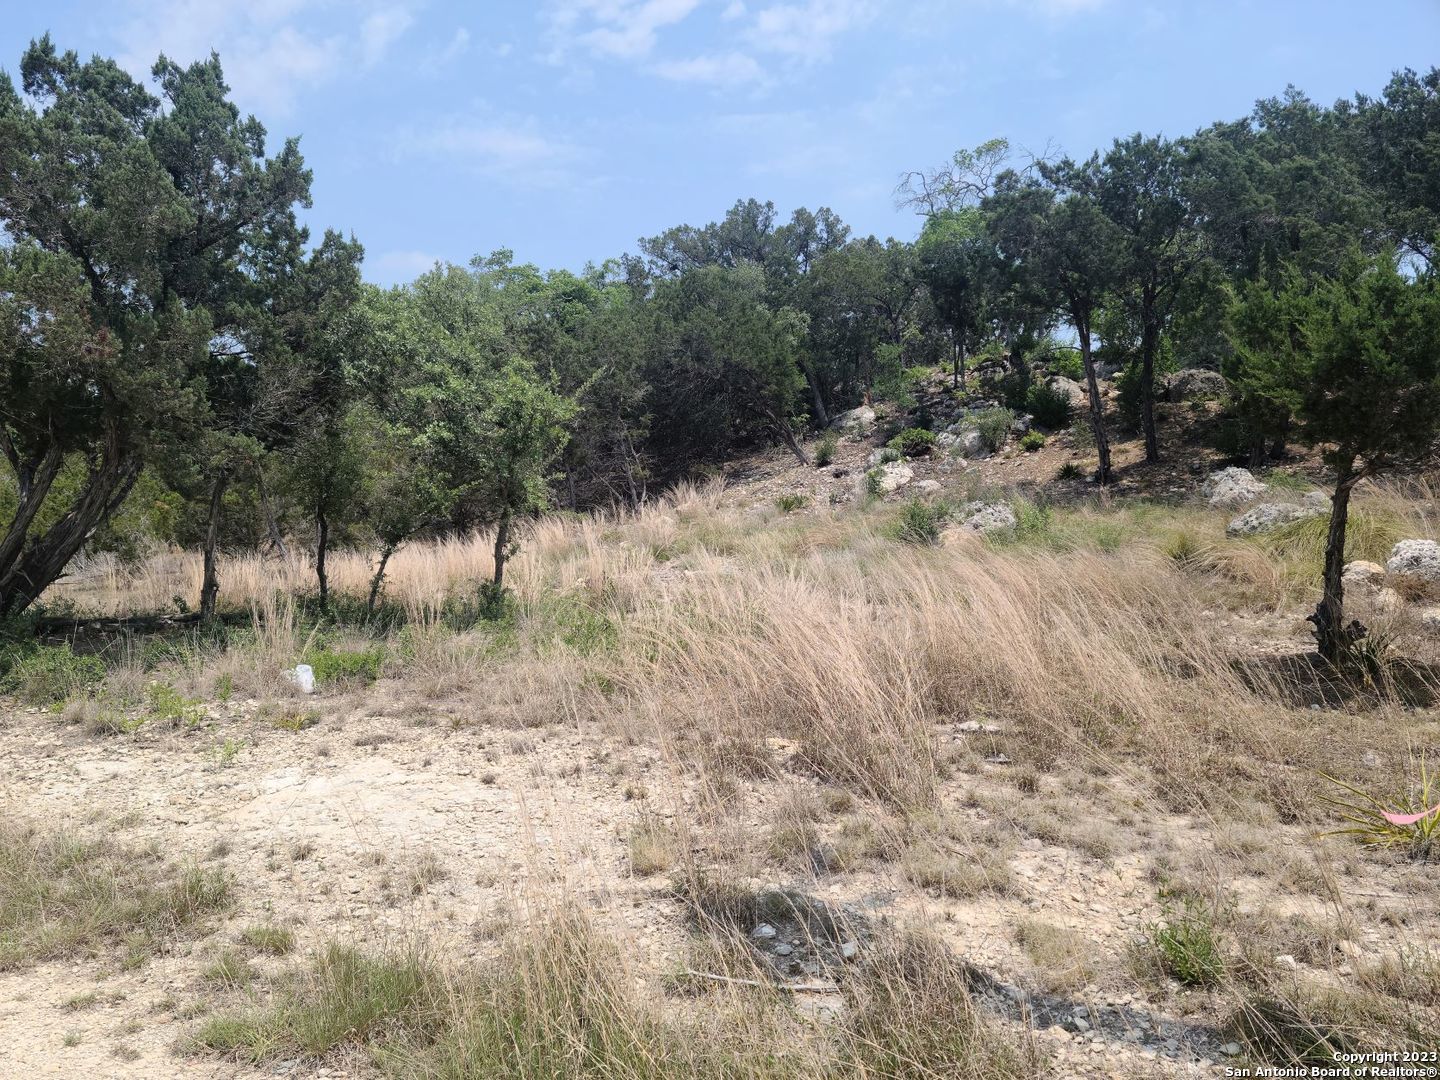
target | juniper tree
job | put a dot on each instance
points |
(1354, 359)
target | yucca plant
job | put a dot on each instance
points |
(1411, 820)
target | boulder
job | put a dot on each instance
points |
(986, 517)
(1362, 575)
(1078, 397)
(894, 475)
(1316, 500)
(1430, 619)
(1269, 516)
(1231, 487)
(1107, 371)
(1021, 425)
(928, 487)
(881, 456)
(855, 422)
(1416, 559)
(1195, 384)
(969, 443)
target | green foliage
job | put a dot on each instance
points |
(993, 425)
(47, 675)
(913, 442)
(166, 705)
(346, 665)
(920, 522)
(1032, 441)
(1187, 947)
(1050, 406)
(825, 449)
(789, 502)
(1362, 812)
(1069, 471)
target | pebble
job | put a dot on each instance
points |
(1230, 1049)
(763, 932)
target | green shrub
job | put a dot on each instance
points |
(913, 442)
(50, 674)
(335, 665)
(1067, 364)
(920, 522)
(872, 483)
(166, 705)
(790, 502)
(1070, 471)
(1049, 405)
(825, 449)
(993, 426)
(1187, 948)
(1032, 441)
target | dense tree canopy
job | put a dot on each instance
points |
(166, 322)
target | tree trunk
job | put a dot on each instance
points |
(210, 585)
(43, 561)
(378, 581)
(957, 364)
(33, 483)
(322, 541)
(1332, 637)
(1149, 345)
(1097, 408)
(502, 544)
(271, 525)
(822, 416)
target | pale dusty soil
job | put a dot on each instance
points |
(333, 839)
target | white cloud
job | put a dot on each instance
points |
(722, 69)
(808, 30)
(272, 50)
(379, 30)
(620, 29)
(458, 46)
(506, 148)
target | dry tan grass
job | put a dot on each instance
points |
(732, 641)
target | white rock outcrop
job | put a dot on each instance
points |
(1231, 487)
(1267, 516)
(1415, 559)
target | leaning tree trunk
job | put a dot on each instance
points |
(1333, 638)
(1097, 409)
(210, 586)
(44, 560)
(502, 545)
(33, 481)
(378, 581)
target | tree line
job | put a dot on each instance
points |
(178, 358)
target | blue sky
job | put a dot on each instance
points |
(565, 129)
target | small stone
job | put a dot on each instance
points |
(1230, 1049)
(849, 949)
(1370, 759)
(1081, 1024)
(1286, 962)
(763, 932)
(783, 949)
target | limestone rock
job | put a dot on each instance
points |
(894, 475)
(1362, 575)
(1268, 516)
(855, 422)
(1195, 384)
(1232, 487)
(1416, 559)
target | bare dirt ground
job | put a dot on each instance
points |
(383, 824)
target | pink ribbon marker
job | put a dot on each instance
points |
(1410, 819)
